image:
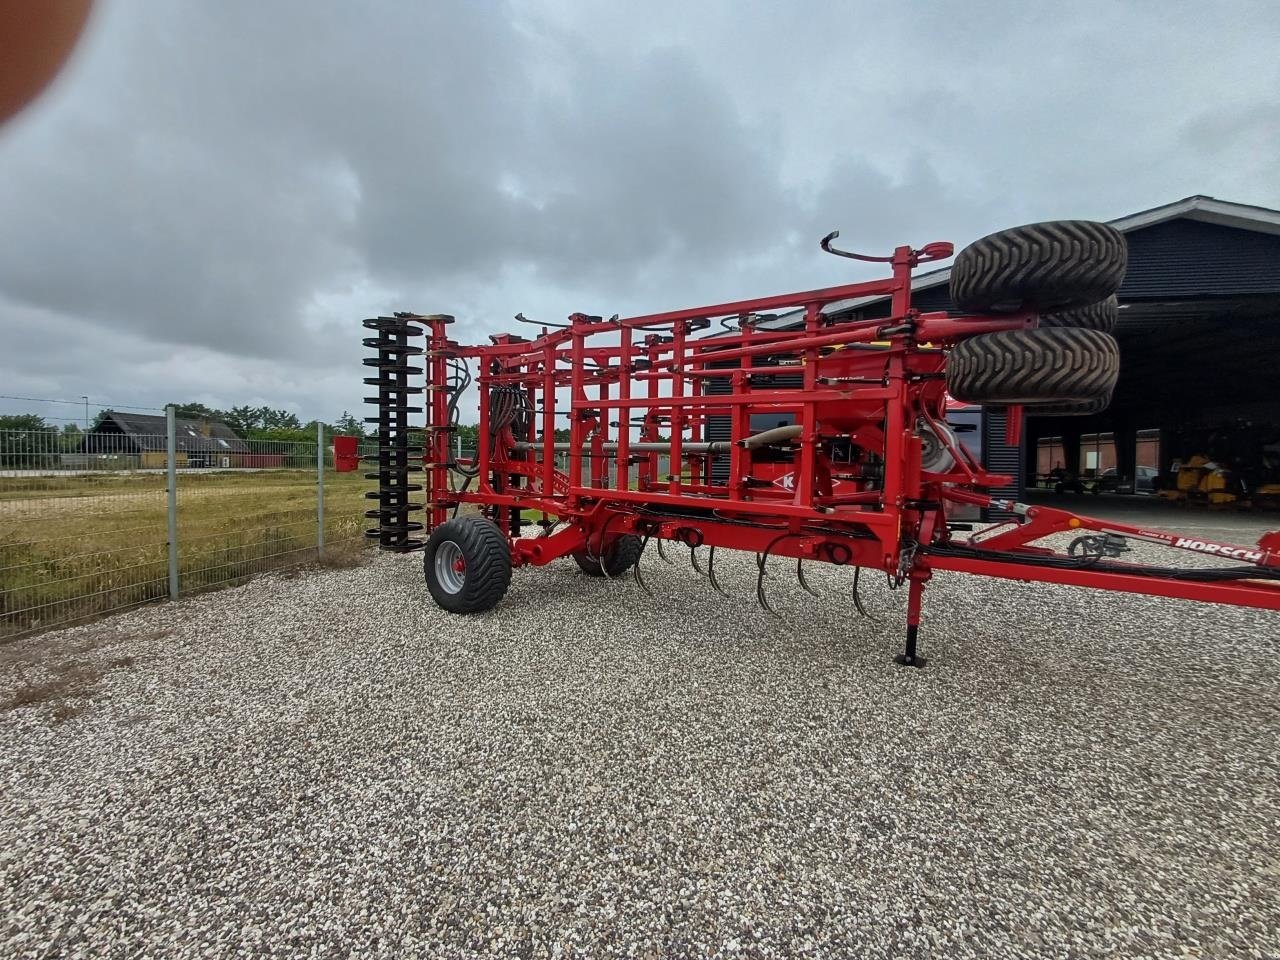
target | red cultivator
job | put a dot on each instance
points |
(817, 441)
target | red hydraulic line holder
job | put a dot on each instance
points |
(678, 431)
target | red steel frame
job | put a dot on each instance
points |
(878, 385)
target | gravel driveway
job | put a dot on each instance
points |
(328, 766)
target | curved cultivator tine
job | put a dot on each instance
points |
(857, 597)
(760, 594)
(635, 568)
(693, 558)
(803, 582)
(663, 554)
(711, 572)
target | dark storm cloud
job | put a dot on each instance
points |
(215, 192)
(238, 158)
(212, 181)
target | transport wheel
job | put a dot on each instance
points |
(1099, 316)
(619, 556)
(1059, 265)
(1033, 366)
(1068, 408)
(467, 563)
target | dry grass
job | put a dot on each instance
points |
(345, 554)
(61, 678)
(70, 680)
(73, 548)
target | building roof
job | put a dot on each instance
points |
(1242, 216)
(192, 436)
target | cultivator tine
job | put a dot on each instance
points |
(761, 598)
(635, 569)
(711, 572)
(663, 554)
(803, 582)
(857, 597)
(693, 558)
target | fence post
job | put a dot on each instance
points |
(319, 489)
(171, 465)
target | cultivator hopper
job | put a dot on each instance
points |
(731, 427)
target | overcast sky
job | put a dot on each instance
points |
(215, 193)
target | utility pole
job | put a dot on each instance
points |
(86, 413)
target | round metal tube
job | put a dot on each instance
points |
(718, 446)
(775, 435)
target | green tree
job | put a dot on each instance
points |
(197, 411)
(27, 442)
(243, 419)
(467, 432)
(349, 426)
(270, 419)
(72, 439)
(22, 421)
(310, 429)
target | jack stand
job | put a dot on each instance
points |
(909, 658)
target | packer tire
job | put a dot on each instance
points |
(1100, 316)
(1060, 364)
(1069, 408)
(620, 555)
(486, 565)
(1058, 265)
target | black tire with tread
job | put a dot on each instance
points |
(1058, 265)
(1100, 316)
(620, 555)
(1033, 366)
(1069, 408)
(487, 556)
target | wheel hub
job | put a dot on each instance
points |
(451, 567)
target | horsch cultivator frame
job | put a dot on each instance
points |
(864, 471)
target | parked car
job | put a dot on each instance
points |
(1110, 481)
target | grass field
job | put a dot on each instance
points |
(77, 546)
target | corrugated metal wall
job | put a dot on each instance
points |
(1000, 457)
(719, 427)
(1183, 258)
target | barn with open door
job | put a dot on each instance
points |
(1199, 334)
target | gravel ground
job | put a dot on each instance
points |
(330, 766)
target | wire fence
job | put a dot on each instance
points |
(97, 523)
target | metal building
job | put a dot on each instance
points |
(1199, 336)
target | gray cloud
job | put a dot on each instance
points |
(214, 194)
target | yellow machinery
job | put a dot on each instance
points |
(1200, 479)
(1267, 496)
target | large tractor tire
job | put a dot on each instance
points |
(620, 555)
(1068, 408)
(467, 563)
(1100, 316)
(1033, 366)
(1058, 265)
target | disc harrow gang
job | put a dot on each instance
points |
(768, 427)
